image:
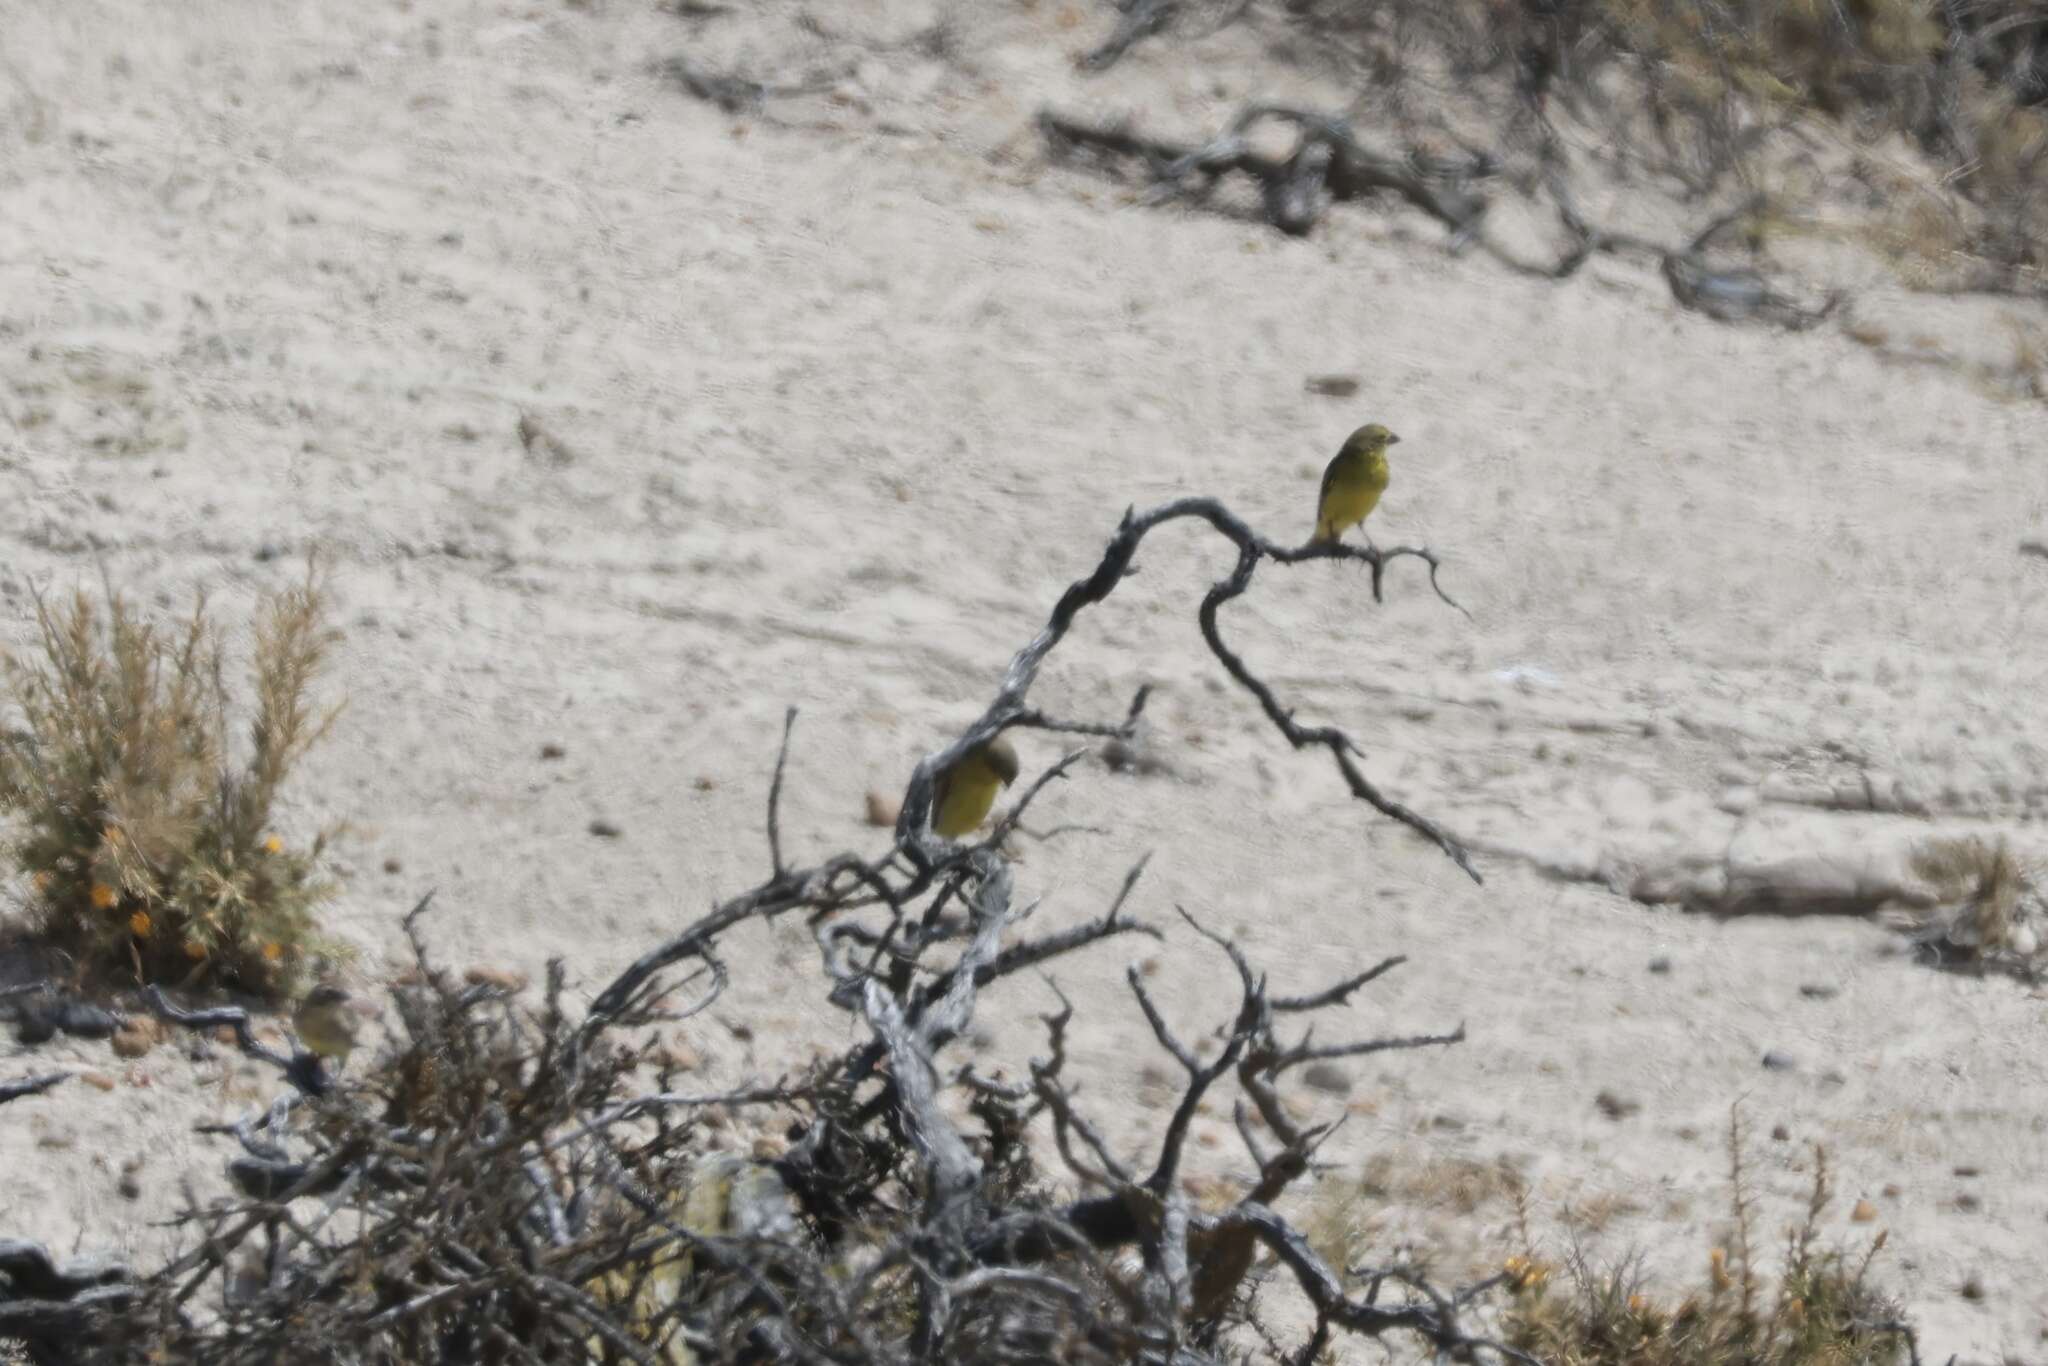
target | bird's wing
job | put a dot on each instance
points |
(1329, 477)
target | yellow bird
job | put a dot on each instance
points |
(1352, 485)
(325, 1024)
(963, 794)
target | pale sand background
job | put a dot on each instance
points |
(849, 398)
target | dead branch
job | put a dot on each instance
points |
(30, 1086)
(1115, 564)
(1136, 21)
(1329, 164)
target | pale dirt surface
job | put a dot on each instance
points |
(844, 399)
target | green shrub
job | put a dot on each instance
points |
(148, 842)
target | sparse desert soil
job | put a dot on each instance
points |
(838, 400)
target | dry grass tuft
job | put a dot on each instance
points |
(1986, 908)
(1821, 1310)
(148, 839)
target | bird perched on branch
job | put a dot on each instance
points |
(1353, 482)
(325, 1024)
(963, 794)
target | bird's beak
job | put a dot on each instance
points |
(1393, 440)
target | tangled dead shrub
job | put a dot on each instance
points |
(146, 832)
(503, 1185)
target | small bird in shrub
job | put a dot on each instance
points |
(325, 1024)
(963, 794)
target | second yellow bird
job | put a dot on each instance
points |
(963, 794)
(325, 1023)
(1352, 484)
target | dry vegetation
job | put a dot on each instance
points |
(501, 1184)
(1984, 910)
(1818, 1304)
(1820, 1307)
(147, 834)
(1766, 105)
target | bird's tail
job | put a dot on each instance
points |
(1325, 533)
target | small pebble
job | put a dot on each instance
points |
(98, 1080)
(1327, 1077)
(1816, 991)
(605, 830)
(1660, 966)
(392, 865)
(1778, 1062)
(84, 1021)
(136, 1038)
(1614, 1106)
(881, 812)
(1864, 1213)
(504, 979)
(1332, 386)
(551, 750)
(1779, 1133)
(36, 1024)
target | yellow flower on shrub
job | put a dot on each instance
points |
(272, 951)
(273, 845)
(103, 896)
(42, 881)
(195, 950)
(139, 923)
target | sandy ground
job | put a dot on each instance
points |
(843, 398)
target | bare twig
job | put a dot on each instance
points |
(29, 1086)
(775, 795)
